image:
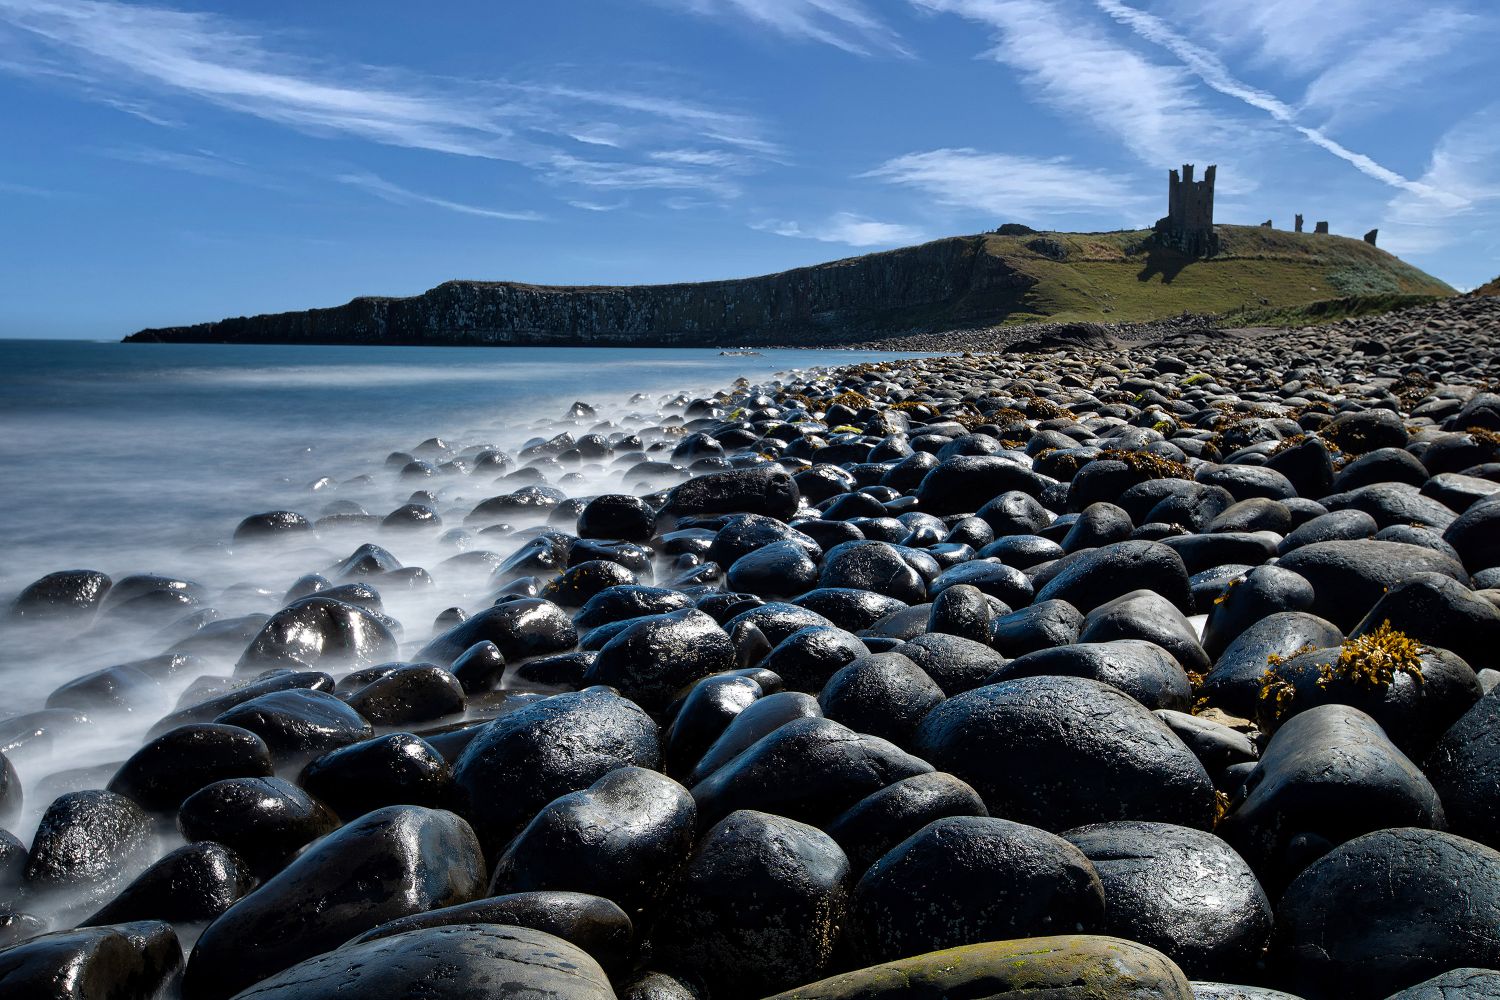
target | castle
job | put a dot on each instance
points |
(1189, 223)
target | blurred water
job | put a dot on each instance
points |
(143, 458)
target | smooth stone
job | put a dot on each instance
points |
(1183, 892)
(592, 923)
(1145, 615)
(1264, 591)
(758, 908)
(1234, 683)
(883, 694)
(1328, 775)
(1041, 626)
(1468, 984)
(474, 961)
(191, 885)
(1141, 669)
(1060, 752)
(1384, 912)
(809, 769)
(128, 961)
(72, 593)
(848, 608)
(164, 772)
(299, 723)
(1462, 768)
(1066, 967)
(955, 663)
(411, 693)
(264, 820)
(86, 845)
(762, 716)
(970, 879)
(523, 760)
(208, 709)
(1100, 575)
(808, 657)
(521, 629)
(319, 631)
(651, 659)
(386, 864)
(1348, 577)
(624, 838)
(395, 769)
(883, 819)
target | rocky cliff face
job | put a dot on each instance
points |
(945, 284)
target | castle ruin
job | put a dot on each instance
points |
(1189, 223)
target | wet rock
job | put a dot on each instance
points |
(883, 819)
(592, 923)
(208, 709)
(191, 885)
(768, 491)
(874, 566)
(809, 656)
(848, 607)
(1438, 611)
(1474, 535)
(1144, 615)
(126, 961)
(1100, 575)
(458, 962)
(479, 668)
(1327, 776)
(809, 769)
(1420, 699)
(411, 693)
(883, 694)
(178, 763)
(1041, 626)
(1216, 746)
(73, 593)
(86, 845)
(967, 482)
(709, 707)
(520, 629)
(115, 690)
(396, 769)
(1264, 591)
(1060, 752)
(386, 864)
(1071, 967)
(1381, 913)
(625, 838)
(525, 759)
(320, 631)
(299, 723)
(617, 604)
(654, 657)
(1462, 766)
(660, 986)
(781, 569)
(1141, 669)
(1184, 892)
(1234, 683)
(966, 880)
(10, 791)
(1349, 577)
(617, 516)
(762, 716)
(1472, 984)
(264, 820)
(759, 906)
(956, 664)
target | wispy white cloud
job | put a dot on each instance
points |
(844, 227)
(1006, 187)
(1360, 78)
(849, 25)
(202, 162)
(613, 175)
(1212, 71)
(1465, 167)
(1073, 66)
(27, 190)
(120, 53)
(597, 206)
(397, 195)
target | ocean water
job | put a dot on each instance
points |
(143, 458)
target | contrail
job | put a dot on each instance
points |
(1213, 72)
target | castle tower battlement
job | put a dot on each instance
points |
(1189, 222)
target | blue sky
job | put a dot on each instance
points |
(172, 164)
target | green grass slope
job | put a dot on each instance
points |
(1124, 277)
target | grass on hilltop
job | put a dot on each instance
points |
(1124, 277)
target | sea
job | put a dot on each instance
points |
(142, 458)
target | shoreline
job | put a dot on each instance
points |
(830, 653)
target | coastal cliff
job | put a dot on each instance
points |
(954, 283)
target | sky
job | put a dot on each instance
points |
(168, 164)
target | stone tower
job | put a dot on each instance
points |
(1189, 223)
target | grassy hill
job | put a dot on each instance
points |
(1491, 288)
(961, 282)
(1124, 277)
